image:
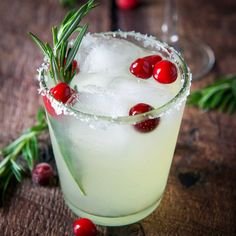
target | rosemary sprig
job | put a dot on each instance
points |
(27, 147)
(221, 95)
(62, 54)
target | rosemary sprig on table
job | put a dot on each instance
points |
(221, 95)
(27, 147)
(62, 54)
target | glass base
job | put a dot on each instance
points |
(114, 221)
(199, 56)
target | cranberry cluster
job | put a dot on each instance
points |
(164, 72)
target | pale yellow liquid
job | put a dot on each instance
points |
(123, 172)
(121, 177)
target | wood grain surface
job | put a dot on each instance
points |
(200, 197)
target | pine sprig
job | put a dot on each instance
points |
(221, 95)
(27, 147)
(61, 55)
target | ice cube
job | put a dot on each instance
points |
(108, 55)
(99, 101)
(84, 80)
(131, 91)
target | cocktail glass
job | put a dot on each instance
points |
(108, 171)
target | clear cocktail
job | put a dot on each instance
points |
(112, 169)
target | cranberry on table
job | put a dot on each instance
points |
(165, 72)
(141, 68)
(42, 174)
(127, 4)
(84, 227)
(153, 59)
(147, 125)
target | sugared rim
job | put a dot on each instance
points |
(148, 41)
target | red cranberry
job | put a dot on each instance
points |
(141, 68)
(147, 125)
(153, 59)
(127, 4)
(165, 72)
(61, 92)
(42, 174)
(84, 227)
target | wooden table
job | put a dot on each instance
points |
(200, 198)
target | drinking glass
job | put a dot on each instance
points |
(108, 171)
(199, 56)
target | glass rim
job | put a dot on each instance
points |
(180, 97)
